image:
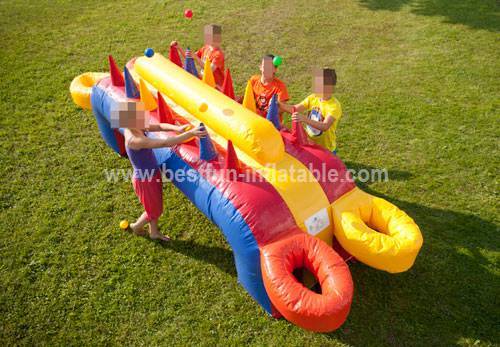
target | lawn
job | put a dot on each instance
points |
(420, 85)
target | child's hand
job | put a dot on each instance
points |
(199, 131)
(297, 117)
(182, 128)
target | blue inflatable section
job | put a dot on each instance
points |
(222, 212)
(207, 198)
(101, 106)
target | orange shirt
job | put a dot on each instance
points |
(264, 92)
(216, 57)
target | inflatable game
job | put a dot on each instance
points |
(245, 178)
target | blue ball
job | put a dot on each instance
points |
(149, 52)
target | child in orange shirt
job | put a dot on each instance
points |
(266, 85)
(211, 50)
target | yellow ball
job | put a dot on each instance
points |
(124, 224)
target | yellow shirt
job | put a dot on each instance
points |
(318, 110)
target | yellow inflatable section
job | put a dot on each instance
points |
(254, 135)
(81, 87)
(376, 232)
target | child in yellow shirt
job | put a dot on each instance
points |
(323, 110)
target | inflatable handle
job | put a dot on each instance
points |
(81, 88)
(312, 311)
(376, 232)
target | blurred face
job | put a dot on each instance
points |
(321, 87)
(212, 37)
(267, 68)
(130, 115)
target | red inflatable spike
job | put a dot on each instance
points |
(227, 86)
(116, 75)
(232, 164)
(173, 55)
(299, 134)
(164, 111)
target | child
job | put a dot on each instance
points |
(324, 110)
(266, 85)
(211, 50)
(147, 176)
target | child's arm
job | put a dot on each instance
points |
(197, 59)
(183, 53)
(179, 48)
(142, 142)
(291, 108)
(168, 127)
(323, 126)
(217, 61)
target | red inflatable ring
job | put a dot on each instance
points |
(312, 311)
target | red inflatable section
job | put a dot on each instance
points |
(317, 312)
(323, 164)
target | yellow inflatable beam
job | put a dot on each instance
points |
(254, 135)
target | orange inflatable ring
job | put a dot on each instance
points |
(317, 312)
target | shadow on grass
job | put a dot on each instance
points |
(483, 14)
(220, 257)
(448, 295)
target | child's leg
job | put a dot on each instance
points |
(154, 232)
(150, 193)
(138, 226)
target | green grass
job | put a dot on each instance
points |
(419, 84)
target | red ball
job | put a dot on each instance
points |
(188, 13)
